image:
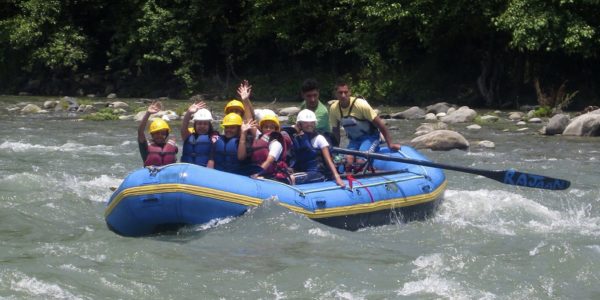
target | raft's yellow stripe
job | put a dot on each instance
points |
(251, 201)
(369, 207)
(182, 188)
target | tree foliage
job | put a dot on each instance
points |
(474, 52)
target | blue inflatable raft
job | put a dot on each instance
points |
(155, 200)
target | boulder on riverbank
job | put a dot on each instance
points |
(259, 113)
(86, 109)
(557, 124)
(430, 117)
(535, 120)
(489, 118)
(167, 115)
(516, 115)
(440, 140)
(486, 144)
(412, 113)
(440, 107)
(585, 125)
(72, 104)
(118, 104)
(429, 127)
(31, 109)
(461, 115)
(50, 104)
(289, 111)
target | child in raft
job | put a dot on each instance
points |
(312, 157)
(160, 150)
(198, 141)
(267, 149)
(226, 145)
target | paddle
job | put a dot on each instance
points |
(509, 176)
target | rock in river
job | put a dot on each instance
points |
(441, 140)
(585, 125)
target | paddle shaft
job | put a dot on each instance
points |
(511, 177)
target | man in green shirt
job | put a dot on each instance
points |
(310, 95)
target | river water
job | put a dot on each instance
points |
(487, 241)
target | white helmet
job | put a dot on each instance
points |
(306, 115)
(202, 115)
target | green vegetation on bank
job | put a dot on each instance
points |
(105, 114)
(499, 53)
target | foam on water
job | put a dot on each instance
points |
(537, 248)
(504, 213)
(117, 286)
(434, 285)
(95, 189)
(576, 220)
(341, 292)
(431, 277)
(482, 154)
(214, 223)
(55, 249)
(34, 287)
(595, 248)
(321, 233)
(66, 147)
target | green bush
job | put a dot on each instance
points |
(105, 114)
(543, 111)
(181, 108)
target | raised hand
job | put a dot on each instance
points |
(248, 125)
(154, 107)
(244, 90)
(196, 106)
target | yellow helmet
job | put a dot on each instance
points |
(232, 119)
(159, 124)
(269, 117)
(234, 104)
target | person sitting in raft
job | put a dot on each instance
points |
(160, 150)
(235, 106)
(268, 148)
(310, 95)
(198, 141)
(312, 159)
(243, 108)
(226, 145)
(360, 121)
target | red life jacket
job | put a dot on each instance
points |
(160, 156)
(260, 153)
(288, 144)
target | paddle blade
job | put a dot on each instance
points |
(514, 177)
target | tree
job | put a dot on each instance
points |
(546, 30)
(38, 30)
